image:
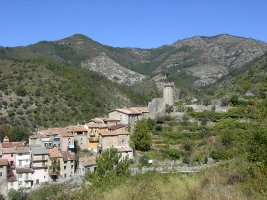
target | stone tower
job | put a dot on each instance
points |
(168, 94)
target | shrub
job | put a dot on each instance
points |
(141, 136)
(20, 91)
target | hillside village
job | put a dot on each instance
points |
(49, 154)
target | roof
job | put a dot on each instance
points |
(12, 178)
(14, 147)
(87, 161)
(128, 111)
(3, 162)
(38, 150)
(8, 150)
(55, 153)
(67, 155)
(107, 133)
(79, 129)
(22, 150)
(97, 120)
(96, 125)
(115, 133)
(110, 119)
(21, 170)
(63, 132)
(116, 126)
(142, 109)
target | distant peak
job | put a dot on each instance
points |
(80, 36)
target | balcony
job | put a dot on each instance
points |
(40, 159)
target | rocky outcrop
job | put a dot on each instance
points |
(112, 70)
(207, 74)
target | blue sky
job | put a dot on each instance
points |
(129, 23)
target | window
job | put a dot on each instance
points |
(37, 181)
(65, 167)
(20, 162)
(1, 173)
(65, 175)
(12, 162)
(20, 175)
(71, 166)
(12, 155)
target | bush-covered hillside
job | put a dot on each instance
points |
(41, 94)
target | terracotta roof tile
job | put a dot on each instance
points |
(108, 133)
(87, 161)
(7, 145)
(22, 150)
(55, 153)
(128, 111)
(79, 129)
(67, 155)
(141, 109)
(116, 126)
(96, 125)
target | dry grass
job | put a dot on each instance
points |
(220, 183)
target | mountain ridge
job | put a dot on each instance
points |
(197, 58)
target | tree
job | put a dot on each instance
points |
(17, 194)
(20, 91)
(55, 165)
(151, 123)
(168, 109)
(257, 148)
(141, 136)
(234, 100)
(110, 168)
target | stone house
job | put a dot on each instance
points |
(55, 164)
(24, 177)
(69, 164)
(117, 137)
(86, 164)
(39, 157)
(61, 138)
(128, 116)
(94, 129)
(80, 136)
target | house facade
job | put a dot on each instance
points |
(39, 158)
(117, 137)
(55, 165)
(86, 164)
(80, 136)
(128, 116)
(94, 129)
(69, 165)
(61, 138)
